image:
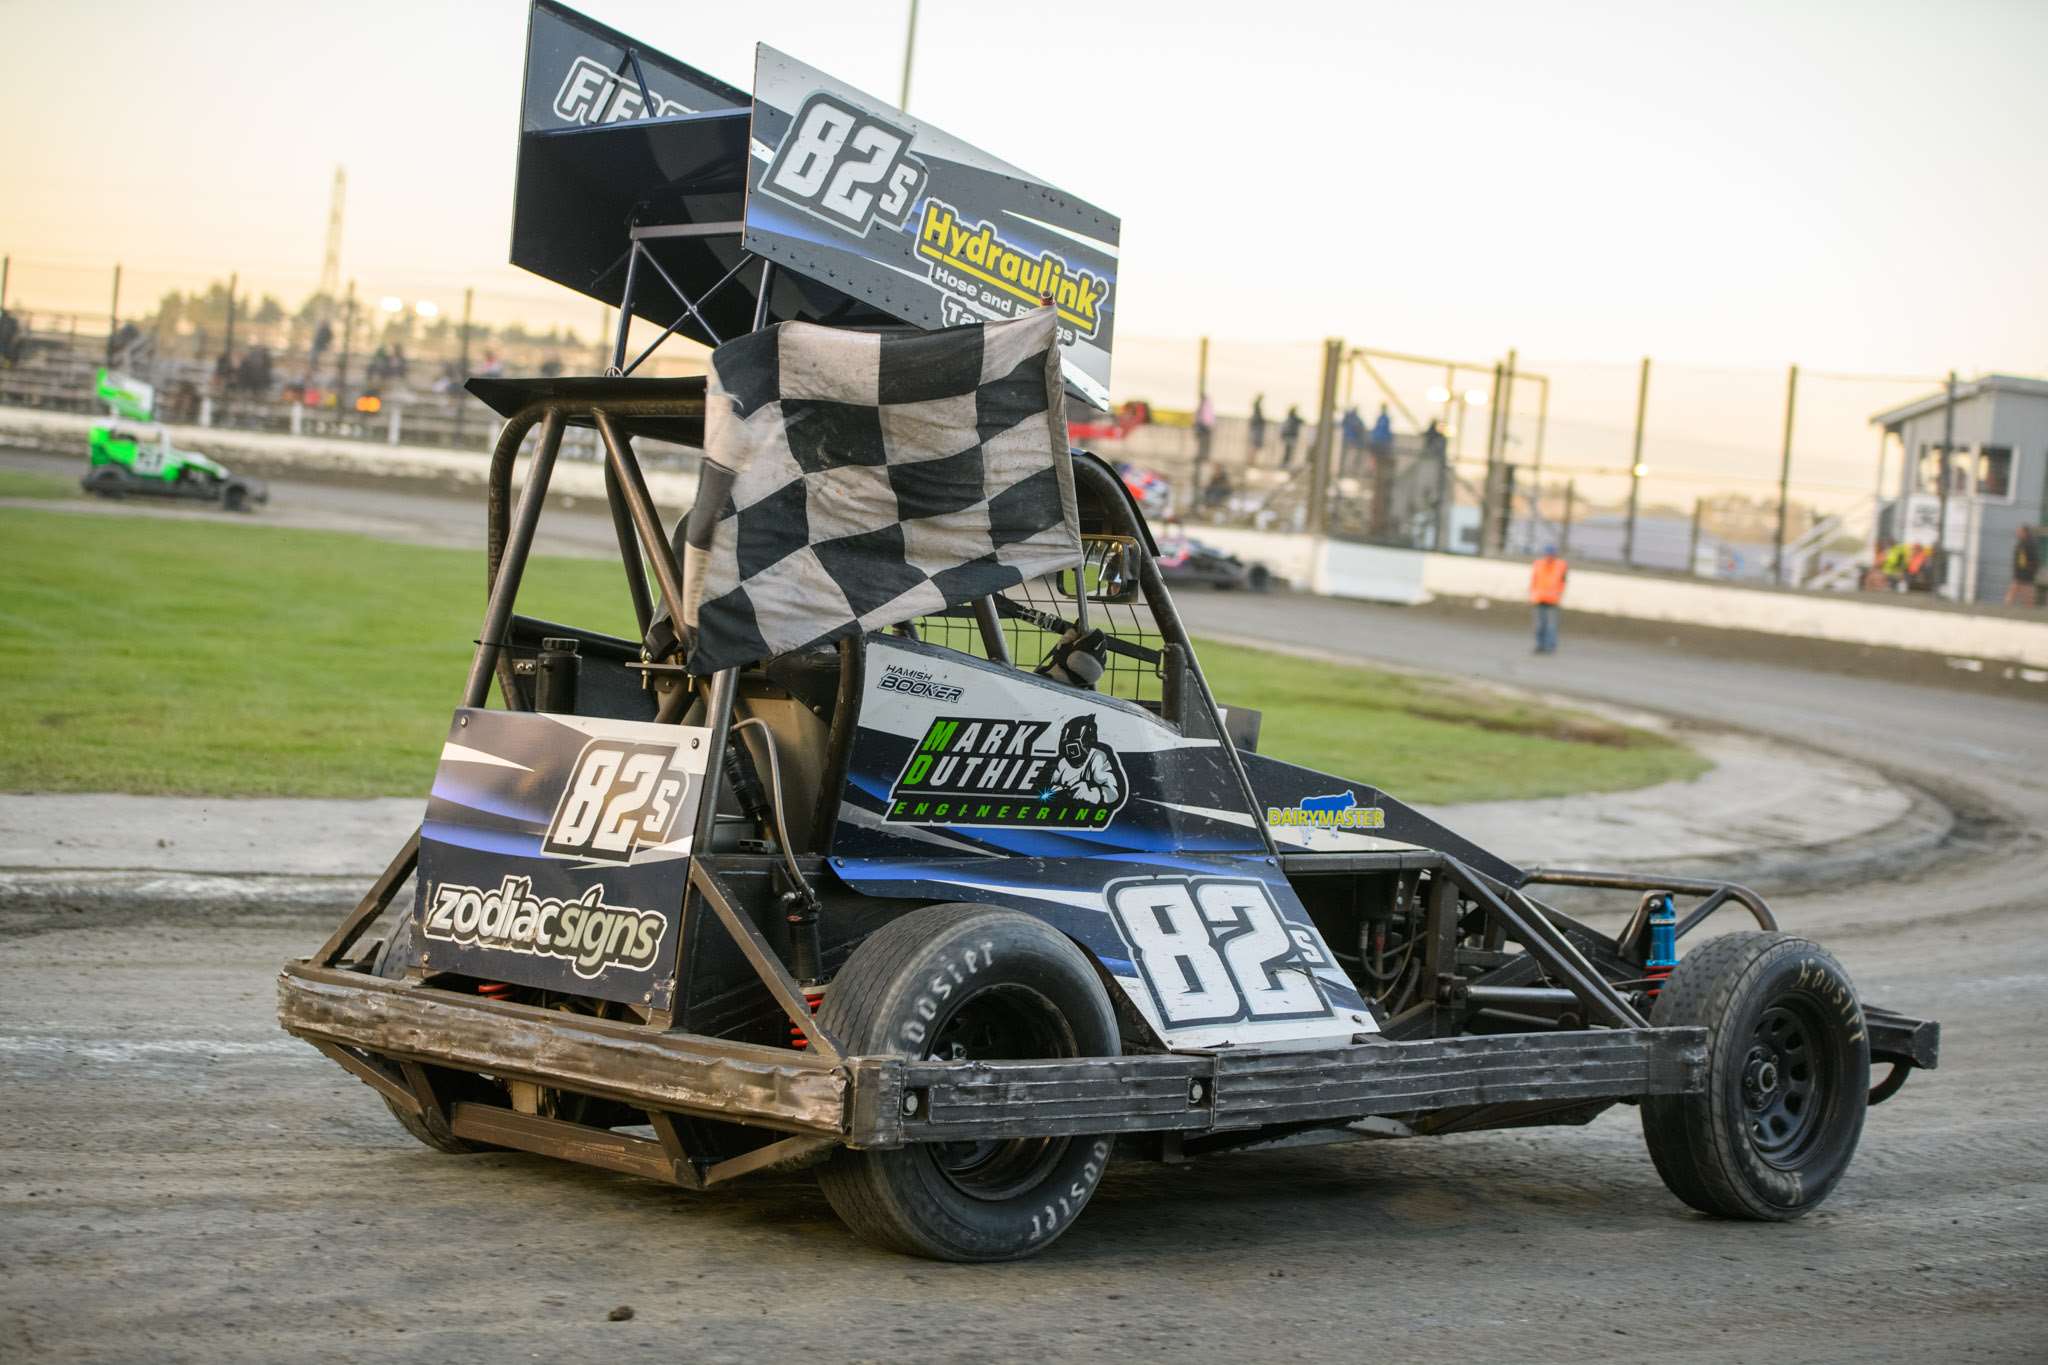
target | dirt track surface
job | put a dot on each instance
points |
(180, 1181)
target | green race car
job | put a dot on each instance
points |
(120, 462)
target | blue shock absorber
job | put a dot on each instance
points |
(1663, 954)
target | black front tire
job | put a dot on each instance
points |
(968, 982)
(1788, 1073)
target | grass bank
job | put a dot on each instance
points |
(29, 483)
(156, 655)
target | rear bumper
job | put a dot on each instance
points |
(370, 1024)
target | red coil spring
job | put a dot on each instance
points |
(813, 996)
(494, 990)
(1656, 976)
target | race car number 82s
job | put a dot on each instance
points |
(1214, 951)
(830, 157)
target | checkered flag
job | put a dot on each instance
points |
(853, 481)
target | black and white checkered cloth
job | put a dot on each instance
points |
(853, 481)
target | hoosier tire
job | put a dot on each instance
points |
(961, 982)
(1788, 1073)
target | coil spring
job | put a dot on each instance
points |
(813, 997)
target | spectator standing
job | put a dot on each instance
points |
(2026, 567)
(1381, 441)
(1546, 593)
(1205, 432)
(1433, 443)
(1354, 442)
(1258, 427)
(1290, 435)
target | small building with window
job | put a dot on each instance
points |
(1997, 477)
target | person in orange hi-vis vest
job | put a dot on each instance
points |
(1546, 590)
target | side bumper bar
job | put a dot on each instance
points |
(889, 1101)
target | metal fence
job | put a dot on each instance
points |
(1762, 475)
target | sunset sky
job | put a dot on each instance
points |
(1857, 187)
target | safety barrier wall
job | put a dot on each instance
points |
(1408, 577)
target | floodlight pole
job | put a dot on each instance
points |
(114, 313)
(1784, 478)
(909, 46)
(1635, 466)
(1489, 488)
(6, 264)
(228, 342)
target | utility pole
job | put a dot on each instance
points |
(462, 366)
(1326, 430)
(1564, 536)
(1784, 478)
(348, 337)
(1635, 466)
(6, 264)
(1692, 553)
(1507, 481)
(114, 313)
(909, 46)
(1948, 443)
(1202, 438)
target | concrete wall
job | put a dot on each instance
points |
(1408, 577)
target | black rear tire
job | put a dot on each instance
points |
(234, 498)
(968, 981)
(398, 954)
(1788, 1074)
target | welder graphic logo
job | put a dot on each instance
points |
(979, 770)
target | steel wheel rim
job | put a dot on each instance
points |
(1000, 1023)
(1787, 1083)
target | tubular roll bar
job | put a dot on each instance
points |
(1713, 896)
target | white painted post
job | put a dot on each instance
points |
(298, 422)
(397, 422)
(206, 410)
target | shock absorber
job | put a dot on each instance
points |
(1663, 954)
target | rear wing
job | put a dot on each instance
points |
(664, 192)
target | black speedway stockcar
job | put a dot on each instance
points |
(958, 908)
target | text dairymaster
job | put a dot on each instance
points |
(978, 770)
(509, 918)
